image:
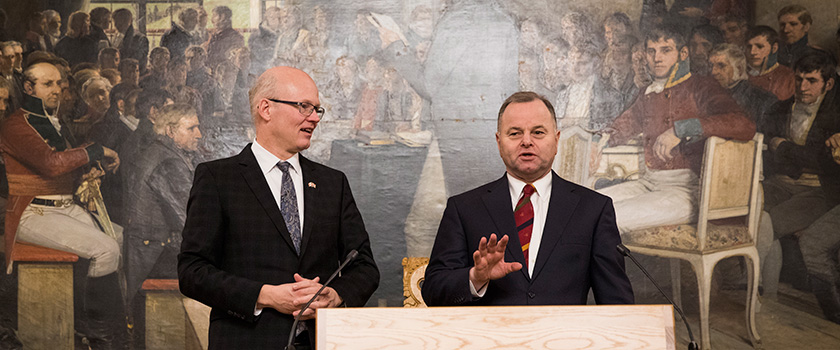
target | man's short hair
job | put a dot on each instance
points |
(89, 83)
(99, 16)
(768, 33)
(223, 11)
(158, 50)
(522, 97)
(732, 18)
(76, 22)
(15, 43)
(122, 15)
(798, 10)
(820, 61)
(111, 74)
(149, 98)
(196, 51)
(260, 89)
(708, 32)
(171, 115)
(44, 56)
(175, 63)
(620, 18)
(189, 11)
(107, 51)
(50, 14)
(34, 18)
(5, 44)
(128, 64)
(736, 57)
(665, 33)
(120, 92)
(29, 77)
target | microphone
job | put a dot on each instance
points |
(350, 256)
(692, 345)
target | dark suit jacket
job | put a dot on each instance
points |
(814, 157)
(235, 240)
(136, 46)
(577, 251)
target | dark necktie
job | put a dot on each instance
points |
(524, 214)
(288, 205)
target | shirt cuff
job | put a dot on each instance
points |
(687, 129)
(257, 310)
(480, 292)
(95, 152)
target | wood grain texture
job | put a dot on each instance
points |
(45, 305)
(508, 327)
(165, 320)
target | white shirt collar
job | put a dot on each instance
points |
(542, 185)
(268, 161)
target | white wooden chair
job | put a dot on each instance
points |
(573, 152)
(727, 225)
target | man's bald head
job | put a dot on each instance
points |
(285, 107)
(275, 82)
(42, 81)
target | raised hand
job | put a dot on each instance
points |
(490, 262)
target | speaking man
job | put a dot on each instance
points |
(530, 237)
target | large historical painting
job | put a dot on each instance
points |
(412, 90)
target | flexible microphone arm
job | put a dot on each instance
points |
(692, 345)
(350, 256)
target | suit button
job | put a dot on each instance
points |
(532, 295)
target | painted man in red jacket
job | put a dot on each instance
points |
(43, 170)
(674, 114)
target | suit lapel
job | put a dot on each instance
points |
(310, 176)
(560, 209)
(497, 201)
(256, 181)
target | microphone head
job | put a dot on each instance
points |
(621, 249)
(352, 255)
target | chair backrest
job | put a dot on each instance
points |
(729, 183)
(414, 273)
(573, 151)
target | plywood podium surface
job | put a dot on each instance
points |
(501, 327)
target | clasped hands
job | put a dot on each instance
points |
(289, 298)
(489, 261)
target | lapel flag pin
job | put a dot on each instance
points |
(311, 184)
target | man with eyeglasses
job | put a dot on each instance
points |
(264, 228)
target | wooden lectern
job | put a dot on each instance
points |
(500, 327)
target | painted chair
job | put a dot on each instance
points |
(727, 225)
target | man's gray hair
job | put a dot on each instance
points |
(736, 57)
(170, 115)
(259, 91)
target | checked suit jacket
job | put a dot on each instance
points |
(577, 251)
(235, 240)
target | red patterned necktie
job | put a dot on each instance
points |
(524, 214)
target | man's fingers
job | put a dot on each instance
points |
(502, 243)
(514, 266)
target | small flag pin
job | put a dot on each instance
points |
(311, 184)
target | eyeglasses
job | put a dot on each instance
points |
(305, 108)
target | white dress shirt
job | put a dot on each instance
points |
(540, 200)
(268, 164)
(274, 177)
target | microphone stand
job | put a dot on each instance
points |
(692, 345)
(290, 343)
